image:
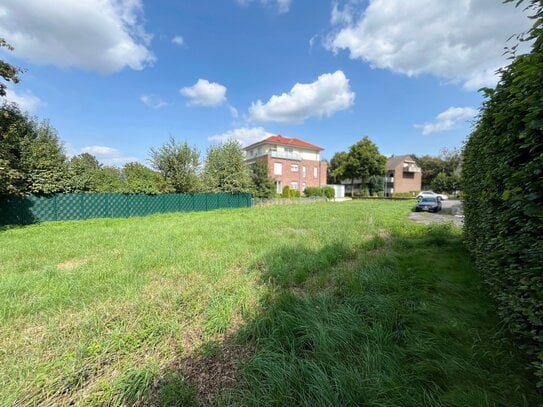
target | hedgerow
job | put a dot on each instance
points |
(503, 186)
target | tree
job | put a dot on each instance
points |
(448, 162)
(337, 168)
(44, 161)
(363, 161)
(108, 179)
(8, 72)
(179, 165)
(15, 126)
(264, 186)
(225, 169)
(376, 184)
(139, 179)
(83, 170)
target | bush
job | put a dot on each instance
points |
(313, 191)
(402, 195)
(503, 203)
(286, 192)
(294, 193)
(329, 192)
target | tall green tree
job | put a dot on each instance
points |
(83, 169)
(179, 165)
(44, 161)
(264, 186)
(139, 179)
(337, 168)
(225, 169)
(363, 161)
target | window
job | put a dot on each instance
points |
(294, 167)
(288, 150)
(315, 175)
(259, 151)
(279, 187)
(293, 185)
(303, 186)
(304, 171)
(277, 169)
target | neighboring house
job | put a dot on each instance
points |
(403, 175)
(291, 162)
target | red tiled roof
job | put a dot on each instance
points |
(289, 142)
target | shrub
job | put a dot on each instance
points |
(503, 203)
(402, 195)
(286, 192)
(294, 193)
(313, 191)
(328, 192)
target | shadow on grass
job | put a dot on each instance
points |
(397, 320)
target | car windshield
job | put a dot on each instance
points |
(428, 200)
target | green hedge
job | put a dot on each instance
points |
(503, 198)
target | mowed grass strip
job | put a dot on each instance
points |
(324, 304)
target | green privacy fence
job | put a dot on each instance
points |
(34, 208)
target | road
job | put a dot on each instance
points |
(451, 212)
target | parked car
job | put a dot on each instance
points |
(432, 194)
(428, 204)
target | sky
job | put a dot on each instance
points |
(118, 77)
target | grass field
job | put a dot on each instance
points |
(325, 304)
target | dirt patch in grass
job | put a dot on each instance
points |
(72, 264)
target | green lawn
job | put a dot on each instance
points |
(325, 304)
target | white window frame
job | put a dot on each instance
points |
(304, 171)
(315, 172)
(277, 168)
(294, 167)
(294, 185)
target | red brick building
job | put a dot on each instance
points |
(403, 175)
(291, 162)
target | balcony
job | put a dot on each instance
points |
(284, 154)
(390, 180)
(408, 167)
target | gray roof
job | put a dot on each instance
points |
(395, 160)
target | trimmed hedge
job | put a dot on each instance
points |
(503, 201)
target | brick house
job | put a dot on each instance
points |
(403, 175)
(290, 161)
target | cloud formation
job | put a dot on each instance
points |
(205, 93)
(244, 135)
(153, 101)
(329, 94)
(283, 6)
(27, 102)
(447, 120)
(460, 41)
(97, 35)
(178, 40)
(106, 155)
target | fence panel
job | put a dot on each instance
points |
(34, 208)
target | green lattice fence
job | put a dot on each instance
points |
(33, 208)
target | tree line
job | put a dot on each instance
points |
(33, 161)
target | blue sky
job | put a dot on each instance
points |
(117, 77)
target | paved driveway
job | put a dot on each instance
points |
(452, 212)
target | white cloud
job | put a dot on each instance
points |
(448, 119)
(460, 41)
(98, 35)
(178, 40)
(153, 101)
(205, 93)
(244, 135)
(329, 94)
(283, 6)
(27, 102)
(106, 155)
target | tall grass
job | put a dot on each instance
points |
(340, 304)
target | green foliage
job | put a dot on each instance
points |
(363, 161)
(376, 184)
(225, 169)
(139, 179)
(31, 155)
(313, 191)
(8, 72)
(503, 185)
(83, 169)
(286, 192)
(337, 168)
(403, 195)
(446, 183)
(179, 165)
(329, 192)
(264, 186)
(449, 162)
